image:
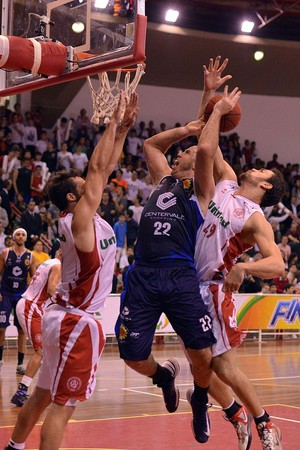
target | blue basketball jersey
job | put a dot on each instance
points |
(14, 278)
(169, 224)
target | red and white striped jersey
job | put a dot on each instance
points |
(37, 289)
(219, 240)
(86, 276)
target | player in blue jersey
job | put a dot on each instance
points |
(163, 278)
(15, 264)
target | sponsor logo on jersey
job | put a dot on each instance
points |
(239, 213)
(166, 200)
(17, 271)
(123, 333)
(216, 212)
(134, 334)
(38, 338)
(187, 183)
(74, 384)
(27, 262)
(104, 243)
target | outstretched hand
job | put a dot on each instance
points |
(213, 74)
(130, 114)
(119, 109)
(228, 101)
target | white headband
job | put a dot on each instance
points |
(19, 229)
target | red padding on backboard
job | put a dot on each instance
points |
(21, 56)
(120, 62)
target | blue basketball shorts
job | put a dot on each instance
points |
(148, 293)
(7, 305)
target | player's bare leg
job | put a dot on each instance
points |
(54, 425)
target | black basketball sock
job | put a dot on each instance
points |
(1, 353)
(162, 376)
(20, 358)
(200, 393)
(232, 410)
(263, 418)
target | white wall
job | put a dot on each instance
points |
(273, 122)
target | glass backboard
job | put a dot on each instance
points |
(100, 35)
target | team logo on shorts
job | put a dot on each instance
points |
(123, 333)
(239, 213)
(125, 311)
(74, 384)
(38, 338)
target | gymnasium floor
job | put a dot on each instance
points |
(127, 413)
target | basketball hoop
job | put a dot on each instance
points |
(106, 98)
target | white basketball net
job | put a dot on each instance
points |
(106, 98)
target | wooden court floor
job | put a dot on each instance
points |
(127, 412)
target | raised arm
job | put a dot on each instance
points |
(257, 230)
(156, 147)
(207, 148)
(128, 121)
(92, 189)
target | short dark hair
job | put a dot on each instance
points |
(273, 196)
(60, 184)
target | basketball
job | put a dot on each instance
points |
(230, 120)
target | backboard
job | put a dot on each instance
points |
(100, 35)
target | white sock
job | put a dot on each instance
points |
(13, 444)
(26, 380)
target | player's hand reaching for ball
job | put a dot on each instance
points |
(228, 101)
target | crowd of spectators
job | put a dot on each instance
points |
(29, 154)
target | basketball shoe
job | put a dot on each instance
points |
(170, 391)
(20, 370)
(200, 421)
(269, 435)
(242, 424)
(20, 397)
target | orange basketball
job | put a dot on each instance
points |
(230, 120)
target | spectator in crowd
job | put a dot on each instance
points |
(65, 159)
(22, 179)
(120, 229)
(137, 208)
(294, 238)
(83, 121)
(119, 179)
(80, 160)
(107, 208)
(39, 254)
(2, 237)
(30, 136)
(36, 184)
(120, 201)
(3, 216)
(146, 189)
(274, 164)
(132, 228)
(281, 283)
(42, 143)
(17, 131)
(8, 163)
(273, 288)
(134, 144)
(32, 223)
(135, 187)
(50, 157)
(142, 132)
(285, 248)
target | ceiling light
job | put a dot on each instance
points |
(259, 55)
(171, 15)
(247, 26)
(102, 4)
(78, 27)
